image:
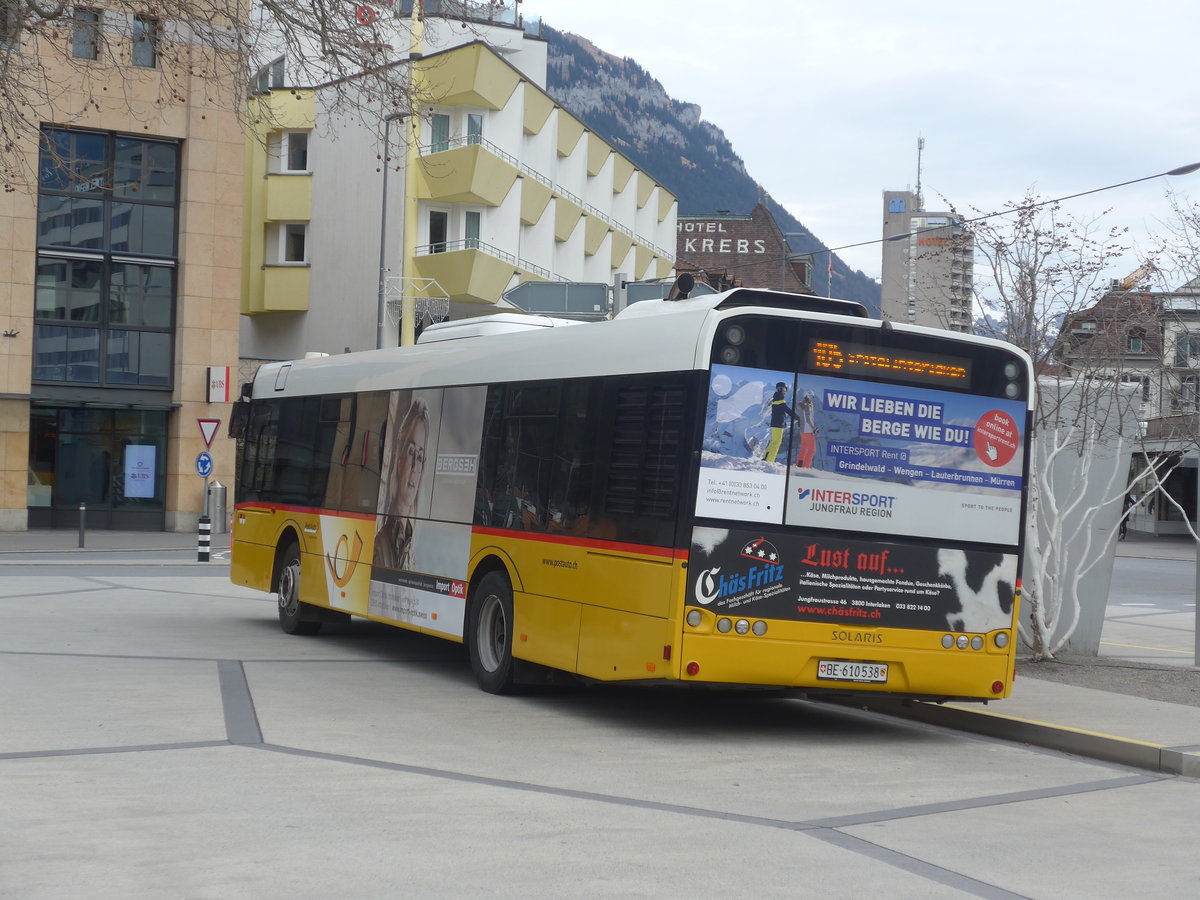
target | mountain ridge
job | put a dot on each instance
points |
(669, 138)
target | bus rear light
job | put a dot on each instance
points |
(947, 641)
(742, 627)
(997, 687)
(963, 640)
(977, 643)
(1001, 639)
(724, 626)
(693, 669)
(666, 651)
(695, 617)
(760, 628)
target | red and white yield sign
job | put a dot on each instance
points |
(208, 429)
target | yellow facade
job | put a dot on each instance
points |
(467, 275)
(271, 197)
(470, 76)
(465, 175)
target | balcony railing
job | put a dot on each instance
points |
(495, 13)
(1180, 425)
(475, 140)
(496, 252)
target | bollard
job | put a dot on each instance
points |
(205, 539)
(82, 530)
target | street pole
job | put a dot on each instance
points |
(381, 313)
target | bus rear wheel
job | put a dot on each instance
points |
(490, 633)
(295, 616)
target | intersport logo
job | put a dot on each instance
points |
(852, 499)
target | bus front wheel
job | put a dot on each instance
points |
(295, 617)
(490, 633)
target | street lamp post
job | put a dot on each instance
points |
(382, 310)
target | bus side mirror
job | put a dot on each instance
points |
(239, 415)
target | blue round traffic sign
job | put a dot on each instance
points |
(204, 464)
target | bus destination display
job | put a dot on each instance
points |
(845, 358)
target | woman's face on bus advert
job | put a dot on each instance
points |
(410, 467)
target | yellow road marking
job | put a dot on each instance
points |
(1140, 647)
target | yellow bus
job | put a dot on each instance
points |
(746, 488)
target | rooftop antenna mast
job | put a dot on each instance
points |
(920, 149)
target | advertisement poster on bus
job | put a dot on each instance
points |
(871, 584)
(736, 481)
(426, 498)
(861, 456)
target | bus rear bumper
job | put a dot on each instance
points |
(910, 672)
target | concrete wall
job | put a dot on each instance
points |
(1110, 415)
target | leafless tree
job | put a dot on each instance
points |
(1043, 282)
(1035, 267)
(59, 59)
(1178, 258)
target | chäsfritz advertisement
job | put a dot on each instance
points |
(839, 581)
(862, 456)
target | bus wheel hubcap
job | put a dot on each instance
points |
(288, 601)
(493, 633)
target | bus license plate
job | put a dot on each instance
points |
(834, 670)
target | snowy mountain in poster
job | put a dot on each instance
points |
(738, 429)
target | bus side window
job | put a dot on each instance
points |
(574, 463)
(489, 455)
(297, 477)
(517, 455)
(358, 457)
(643, 473)
(258, 459)
(531, 422)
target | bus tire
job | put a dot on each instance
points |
(295, 616)
(490, 633)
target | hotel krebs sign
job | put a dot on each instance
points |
(702, 243)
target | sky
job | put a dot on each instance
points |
(825, 102)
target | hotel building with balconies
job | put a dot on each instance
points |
(489, 182)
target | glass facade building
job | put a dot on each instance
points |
(104, 326)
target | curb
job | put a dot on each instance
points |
(1107, 747)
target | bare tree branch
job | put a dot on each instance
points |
(353, 49)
